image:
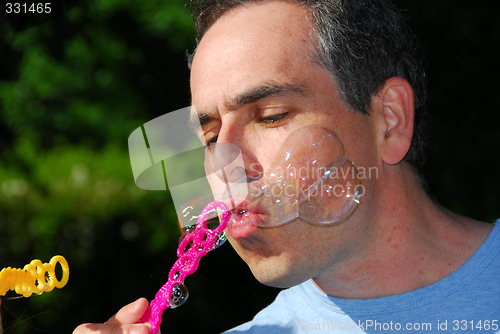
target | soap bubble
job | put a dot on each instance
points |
(311, 178)
(331, 189)
(179, 295)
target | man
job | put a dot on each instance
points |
(262, 70)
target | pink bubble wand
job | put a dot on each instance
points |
(191, 249)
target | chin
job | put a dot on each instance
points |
(276, 275)
(279, 282)
(274, 264)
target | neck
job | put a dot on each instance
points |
(409, 242)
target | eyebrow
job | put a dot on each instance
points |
(265, 90)
(197, 120)
(268, 89)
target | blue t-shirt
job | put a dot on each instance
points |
(466, 301)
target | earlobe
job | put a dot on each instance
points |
(398, 113)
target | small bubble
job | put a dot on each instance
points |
(179, 295)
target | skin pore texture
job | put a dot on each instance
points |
(398, 239)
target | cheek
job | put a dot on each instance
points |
(354, 130)
(357, 135)
(262, 149)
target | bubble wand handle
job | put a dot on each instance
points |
(191, 249)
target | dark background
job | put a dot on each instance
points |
(74, 88)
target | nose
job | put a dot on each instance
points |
(227, 162)
(232, 165)
(232, 157)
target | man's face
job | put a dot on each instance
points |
(255, 82)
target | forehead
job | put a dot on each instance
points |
(251, 44)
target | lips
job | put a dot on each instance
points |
(245, 219)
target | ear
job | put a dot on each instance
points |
(396, 110)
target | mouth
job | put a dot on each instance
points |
(245, 219)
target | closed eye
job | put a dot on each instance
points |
(267, 120)
(211, 141)
(273, 119)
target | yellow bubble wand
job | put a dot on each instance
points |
(35, 277)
